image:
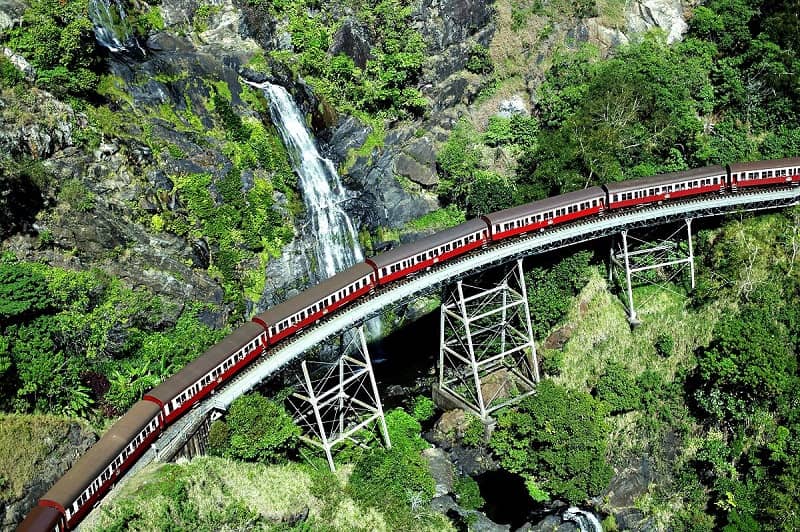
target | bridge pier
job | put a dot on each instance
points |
(641, 256)
(487, 356)
(338, 399)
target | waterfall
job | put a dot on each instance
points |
(111, 27)
(336, 242)
(586, 521)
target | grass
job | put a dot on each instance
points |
(601, 334)
(26, 441)
(217, 493)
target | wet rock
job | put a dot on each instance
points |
(348, 134)
(551, 523)
(37, 128)
(352, 39)
(11, 12)
(382, 200)
(461, 87)
(630, 519)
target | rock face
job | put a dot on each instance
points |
(62, 451)
(352, 39)
(669, 15)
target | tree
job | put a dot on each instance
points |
(557, 438)
(260, 430)
(747, 366)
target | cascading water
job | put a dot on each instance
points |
(111, 27)
(586, 521)
(336, 242)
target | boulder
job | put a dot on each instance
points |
(441, 470)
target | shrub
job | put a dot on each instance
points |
(397, 480)
(218, 438)
(9, 74)
(664, 345)
(260, 430)
(75, 194)
(558, 439)
(475, 432)
(423, 408)
(617, 387)
(468, 493)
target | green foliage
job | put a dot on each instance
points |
(218, 438)
(468, 493)
(386, 84)
(748, 365)
(423, 408)
(23, 291)
(479, 62)
(260, 430)
(57, 38)
(9, 74)
(395, 480)
(550, 289)
(203, 15)
(557, 438)
(75, 194)
(664, 345)
(438, 219)
(476, 190)
(61, 327)
(617, 387)
(475, 432)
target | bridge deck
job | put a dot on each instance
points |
(358, 312)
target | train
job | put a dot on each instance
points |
(75, 494)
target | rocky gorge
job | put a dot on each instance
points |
(107, 190)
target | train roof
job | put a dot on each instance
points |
(315, 293)
(429, 242)
(546, 204)
(40, 518)
(96, 459)
(194, 370)
(664, 179)
(791, 162)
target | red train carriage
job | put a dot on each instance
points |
(178, 393)
(425, 252)
(760, 173)
(82, 486)
(310, 305)
(540, 214)
(666, 186)
(43, 518)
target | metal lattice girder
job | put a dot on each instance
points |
(636, 257)
(487, 356)
(338, 399)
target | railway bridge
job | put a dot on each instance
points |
(178, 437)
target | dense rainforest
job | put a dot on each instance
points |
(148, 206)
